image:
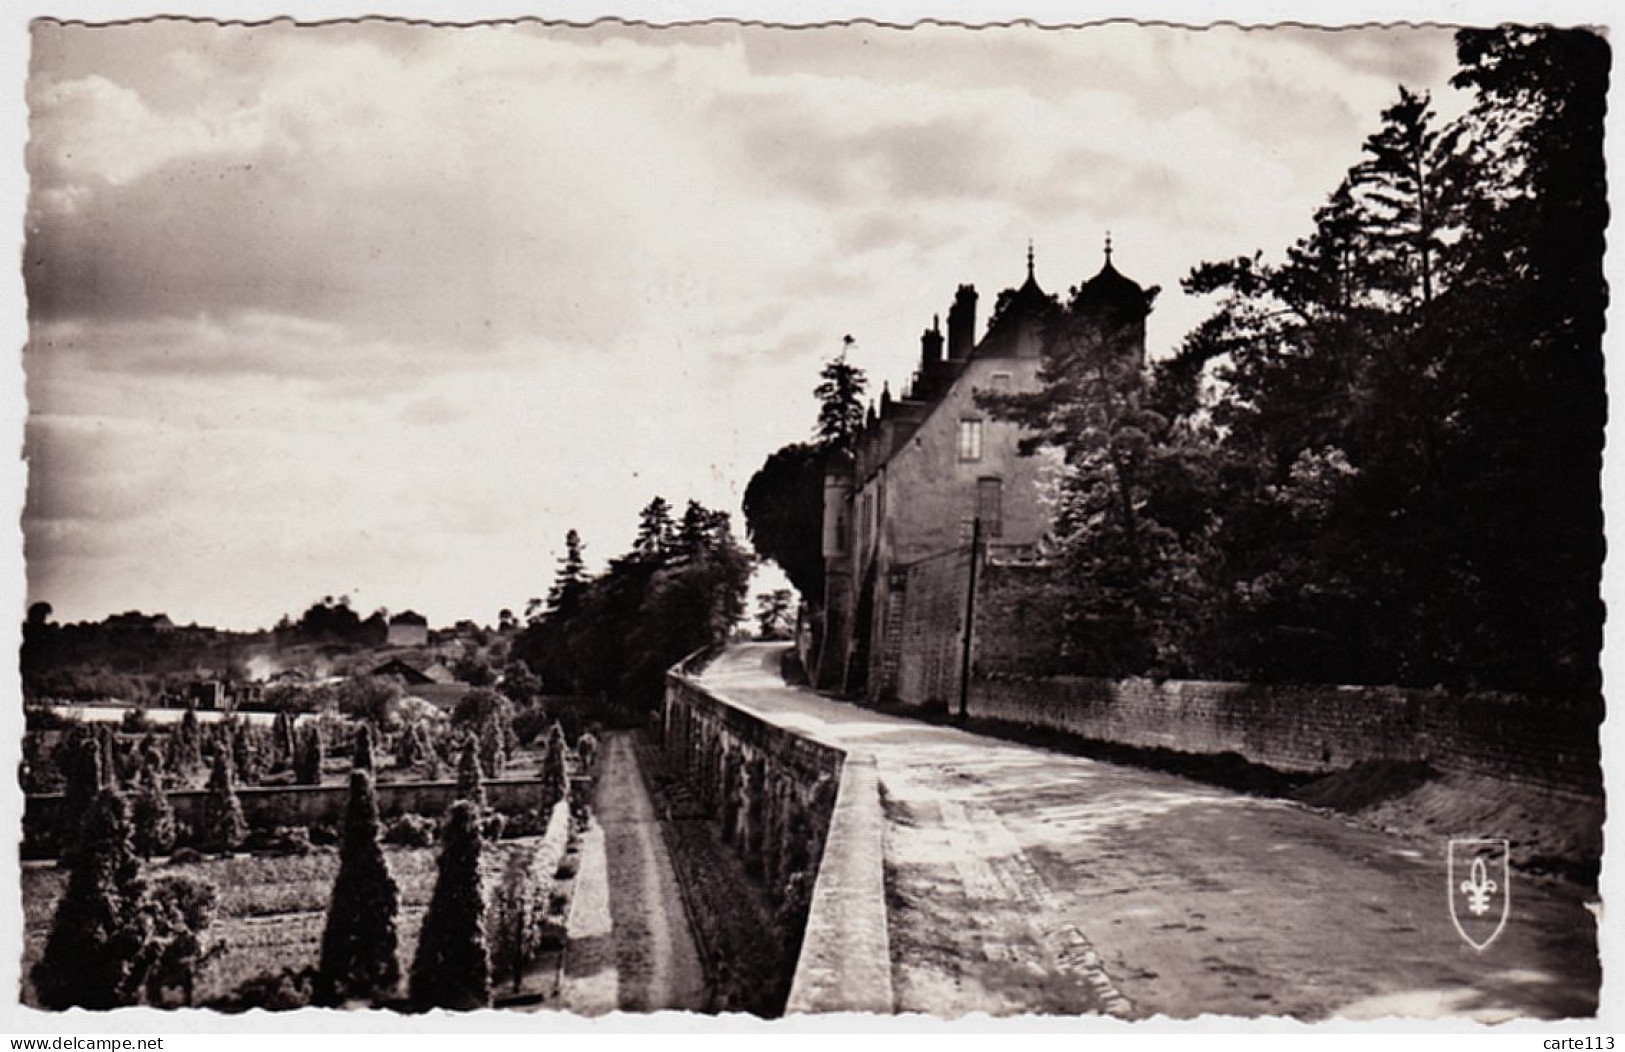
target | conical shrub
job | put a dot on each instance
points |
(359, 942)
(452, 968)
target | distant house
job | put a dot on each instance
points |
(209, 694)
(408, 629)
(415, 672)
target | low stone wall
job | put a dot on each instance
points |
(772, 790)
(307, 805)
(845, 963)
(1549, 744)
(798, 809)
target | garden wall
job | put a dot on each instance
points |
(307, 805)
(1312, 729)
(797, 808)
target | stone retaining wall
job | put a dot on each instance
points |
(799, 810)
(1550, 744)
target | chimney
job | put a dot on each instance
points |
(962, 323)
(931, 347)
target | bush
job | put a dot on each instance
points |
(530, 724)
(152, 818)
(135, 721)
(282, 991)
(411, 831)
(452, 968)
(492, 825)
(89, 957)
(223, 825)
(307, 761)
(283, 840)
(525, 823)
(176, 911)
(358, 944)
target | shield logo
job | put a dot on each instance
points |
(1480, 889)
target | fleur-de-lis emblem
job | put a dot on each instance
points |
(1478, 888)
(1481, 904)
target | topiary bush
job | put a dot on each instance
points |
(452, 968)
(359, 942)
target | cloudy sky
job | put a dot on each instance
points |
(385, 309)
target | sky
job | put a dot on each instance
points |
(382, 310)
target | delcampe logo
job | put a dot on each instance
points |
(1480, 880)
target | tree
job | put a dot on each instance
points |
(90, 955)
(564, 597)
(375, 699)
(152, 816)
(452, 967)
(519, 684)
(359, 942)
(774, 616)
(245, 756)
(470, 782)
(223, 825)
(655, 531)
(361, 759)
(79, 760)
(784, 511)
(185, 745)
(555, 770)
(493, 751)
(307, 769)
(840, 400)
(1405, 188)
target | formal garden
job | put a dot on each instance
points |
(396, 858)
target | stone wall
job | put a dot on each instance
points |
(929, 638)
(772, 790)
(1550, 744)
(845, 963)
(799, 810)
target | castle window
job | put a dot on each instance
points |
(970, 440)
(990, 505)
(1001, 381)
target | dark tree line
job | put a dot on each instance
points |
(1379, 460)
(681, 587)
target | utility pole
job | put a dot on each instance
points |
(970, 620)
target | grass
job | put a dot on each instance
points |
(272, 910)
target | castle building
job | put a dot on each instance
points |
(933, 471)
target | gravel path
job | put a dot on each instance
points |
(1025, 880)
(655, 956)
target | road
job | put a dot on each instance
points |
(1025, 880)
(655, 956)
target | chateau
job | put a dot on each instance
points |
(937, 490)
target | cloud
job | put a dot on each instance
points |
(386, 308)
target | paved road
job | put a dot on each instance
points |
(1024, 880)
(655, 957)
